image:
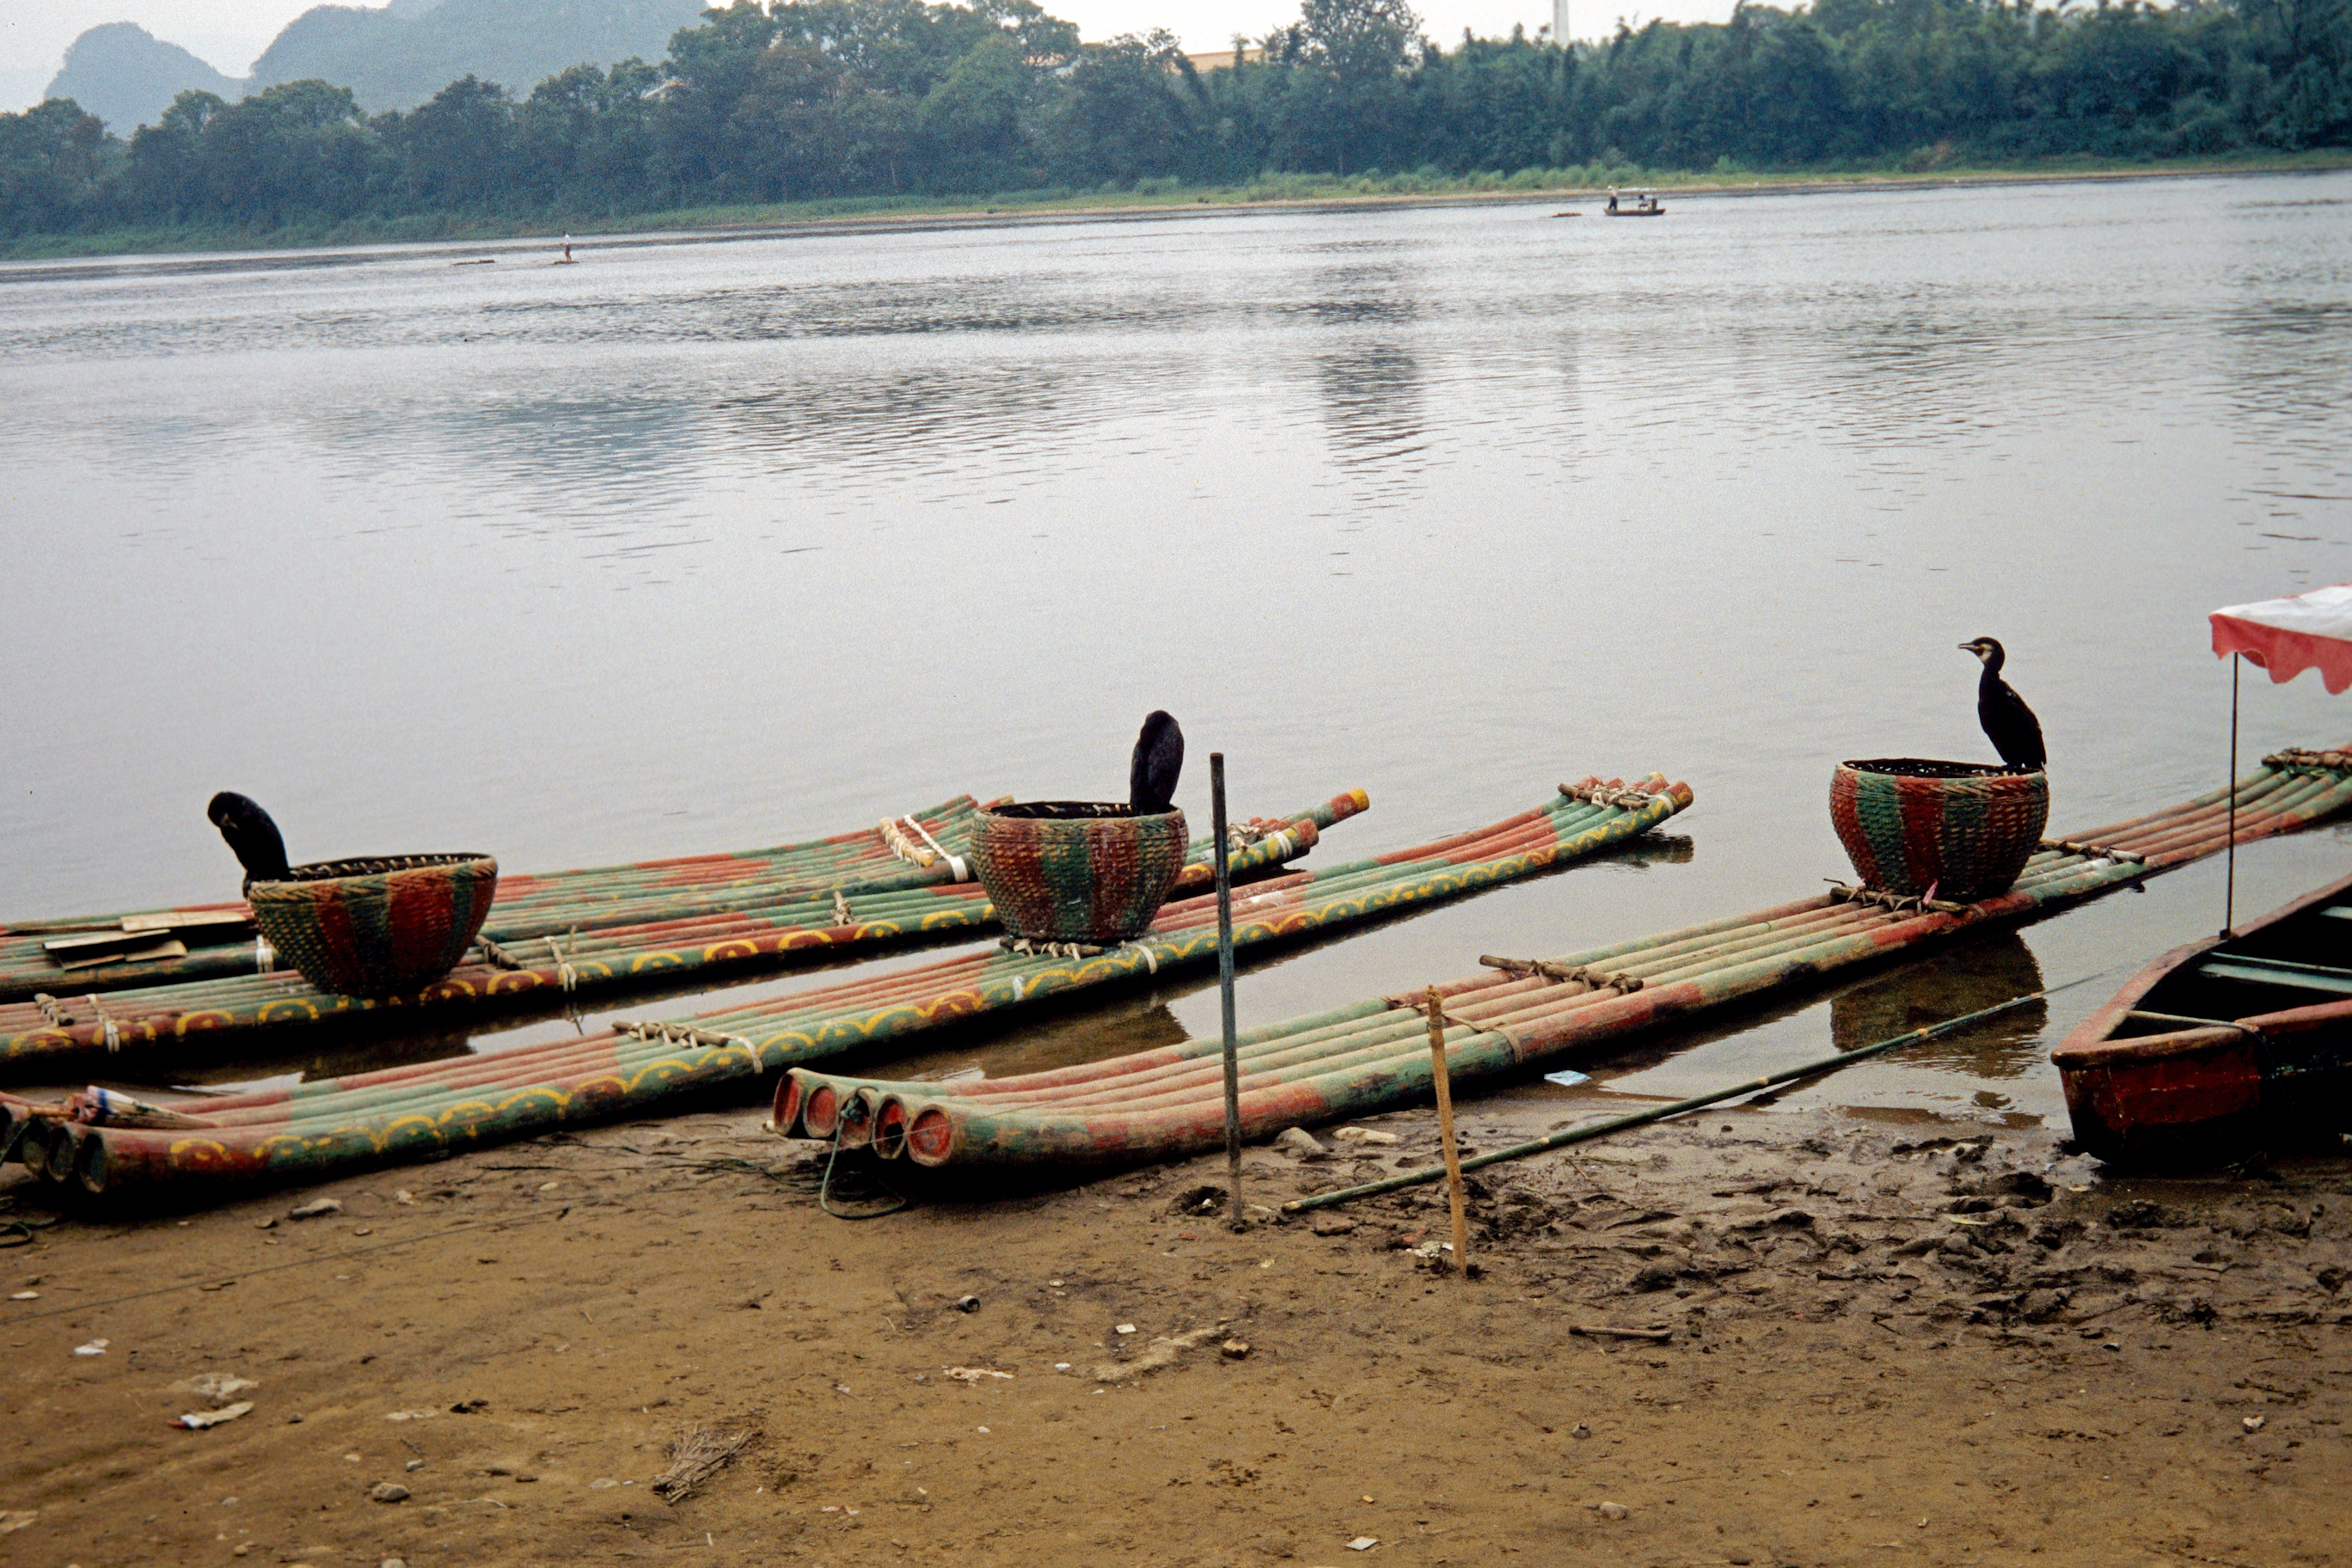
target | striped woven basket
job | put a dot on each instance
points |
(1064, 870)
(1964, 829)
(379, 927)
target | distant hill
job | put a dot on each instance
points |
(399, 56)
(128, 76)
(394, 57)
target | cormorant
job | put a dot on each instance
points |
(251, 833)
(2008, 722)
(1159, 758)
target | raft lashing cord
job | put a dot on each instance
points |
(303, 1131)
(1360, 1059)
(824, 1189)
(1591, 1131)
(698, 899)
(599, 958)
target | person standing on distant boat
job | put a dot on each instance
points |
(1612, 199)
(567, 244)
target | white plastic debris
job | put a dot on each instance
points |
(197, 1420)
(974, 1374)
(95, 1347)
(1363, 1135)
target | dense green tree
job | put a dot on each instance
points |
(455, 152)
(1133, 109)
(51, 158)
(798, 99)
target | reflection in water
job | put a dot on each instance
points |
(1089, 1031)
(1978, 974)
(1371, 400)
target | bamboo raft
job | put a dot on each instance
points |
(925, 853)
(225, 1014)
(102, 1143)
(1373, 1056)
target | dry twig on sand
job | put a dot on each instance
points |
(697, 1457)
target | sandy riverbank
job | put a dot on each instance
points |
(2079, 1371)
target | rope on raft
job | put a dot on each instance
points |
(506, 958)
(58, 1019)
(1597, 794)
(906, 849)
(677, 1034)
(1520, 968)
(1897, 903)
(2092, 851)
(2296, 758)
(1240, 835)
(1030, 948)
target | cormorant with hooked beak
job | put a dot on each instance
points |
(2008, 722)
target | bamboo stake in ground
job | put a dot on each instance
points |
(1225, 981)
(1443, 1080)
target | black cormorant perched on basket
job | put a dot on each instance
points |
(251, 833)
(2008, 722)
(1159, 758)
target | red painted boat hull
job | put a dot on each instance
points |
(2218, 1085)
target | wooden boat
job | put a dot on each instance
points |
(2220, 1045)
(423, 1111)
(1373, 1056)
(1656, 209)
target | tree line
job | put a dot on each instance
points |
(817, 99)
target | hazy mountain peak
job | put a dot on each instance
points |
(128, 76)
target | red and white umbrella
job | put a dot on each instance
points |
(2285, 637)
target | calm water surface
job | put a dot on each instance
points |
(714, 542)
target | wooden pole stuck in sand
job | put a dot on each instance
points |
(1225, 982)
(1444, 1079)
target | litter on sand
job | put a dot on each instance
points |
(197, 1420)
(697, 1457)
(1568, 1078)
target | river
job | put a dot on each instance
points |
(716, 540)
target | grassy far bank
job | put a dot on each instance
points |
(1145, 196)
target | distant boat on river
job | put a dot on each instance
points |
(1645, 206)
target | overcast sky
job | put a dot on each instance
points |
(230, 33)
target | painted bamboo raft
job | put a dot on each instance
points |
(925, 852)
(1374, 1056)
(100, 1143)
(227, 1014)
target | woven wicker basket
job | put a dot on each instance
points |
(1062, 870)
(1962, 828)
(376, 928)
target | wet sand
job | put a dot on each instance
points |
(1923, 1343)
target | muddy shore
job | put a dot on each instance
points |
(1860, 1344)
